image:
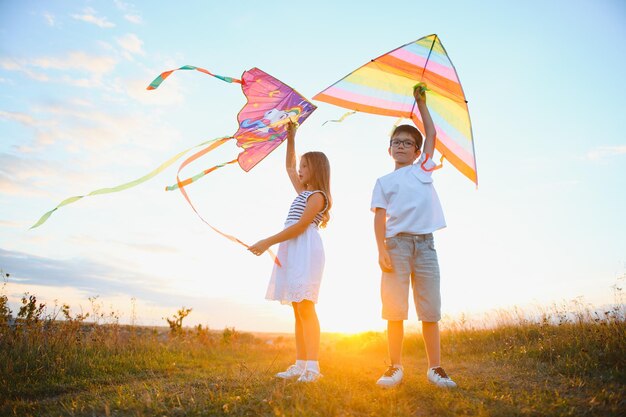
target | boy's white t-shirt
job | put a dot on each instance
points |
(410, 199)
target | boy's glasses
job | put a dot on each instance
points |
(405, 143)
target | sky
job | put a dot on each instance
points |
(544, 84)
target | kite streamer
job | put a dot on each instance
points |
(341, 119)
(124, 186)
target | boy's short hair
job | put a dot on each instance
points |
(411, 130)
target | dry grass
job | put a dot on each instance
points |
(568, 360)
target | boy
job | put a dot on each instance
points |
(407, 211)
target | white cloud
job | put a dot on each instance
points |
(12, 224)
(50, 19)
(95, 65)
(89, 16)
(131, 45)
(21, 176)
(10, 64)
(14, 65)
(133, 18)
(73, 127)
(122, 5)
(130, 12)
(21, 118)
(83, 131)
(80, 61)
(605, 152)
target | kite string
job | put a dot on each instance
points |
(181, 186)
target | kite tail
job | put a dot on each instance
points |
(341, 119)
(158, 80)
(196, 177)
(181, 186)
(121, 187)
(436, 167)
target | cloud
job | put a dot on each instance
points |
(13, 224)
(28, 177)
(130, 12)
(96, 66)
(44, 130)
(89, 16)
(89, 139)
(67, 280)
(70, 122)
(92, 278)
(50, 19)
(131, 45)
(22, 118)
(142, 247)
(605, 152)
(79, 61)
(152, 247)
(19, 66)
(133, 18)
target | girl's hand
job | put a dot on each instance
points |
(259, 247)
(291, 128)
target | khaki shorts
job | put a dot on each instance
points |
(414, 261)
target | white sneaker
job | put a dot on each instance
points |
(439, 377)
(292, 372)
(309, 376)
(392, 377)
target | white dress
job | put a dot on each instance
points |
(301, 258)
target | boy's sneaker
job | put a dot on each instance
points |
(392, 377)
(292, 372)
(309, 376)
(439, 377)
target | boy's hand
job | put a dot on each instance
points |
(419, 92)
(259, 247)
(384, 260)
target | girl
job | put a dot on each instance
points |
(301, 255)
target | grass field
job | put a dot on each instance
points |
(563, 363)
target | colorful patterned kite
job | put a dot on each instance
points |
(262, 125)
(385, 86)
(262, 128)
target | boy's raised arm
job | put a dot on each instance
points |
(429, 126)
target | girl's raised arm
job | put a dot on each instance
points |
(290, 160)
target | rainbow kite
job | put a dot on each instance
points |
(270, 105)
(385, 86)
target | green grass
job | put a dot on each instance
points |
(61, 368)
(566, 361)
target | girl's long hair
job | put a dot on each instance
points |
(320, 179)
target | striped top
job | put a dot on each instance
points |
(298, 205)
